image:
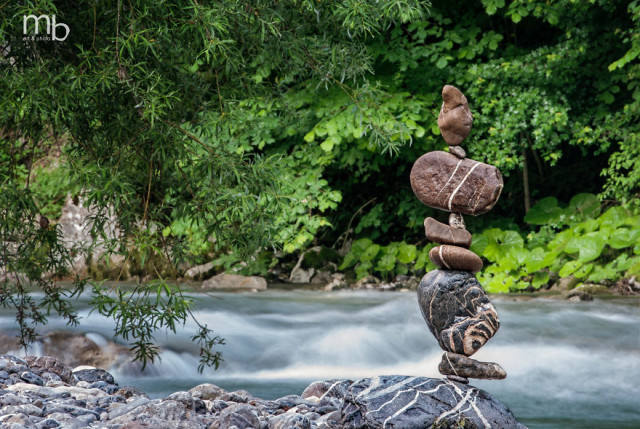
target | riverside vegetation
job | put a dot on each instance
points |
(245, 133)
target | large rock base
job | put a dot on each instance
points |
(44, 393)
(420, 402)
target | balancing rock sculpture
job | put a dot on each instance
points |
(453, 303)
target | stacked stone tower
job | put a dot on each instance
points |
(453, 303)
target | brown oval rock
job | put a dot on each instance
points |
(455, 258)
(443, 181)
(455, 119)
(445, 234)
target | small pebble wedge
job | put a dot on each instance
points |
(444, 181)
(458, 151)
(455, 258)
(453, 364)
(456, 220)
(445, 234)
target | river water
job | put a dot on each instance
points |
(569, 364)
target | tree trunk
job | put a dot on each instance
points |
(525, 180)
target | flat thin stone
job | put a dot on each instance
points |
(457, 310)
(455, 258)
(455, 119)
(458, 379)
(444, 234)
(444, 181)
(458, 151)
(456, 221)
(454, 364)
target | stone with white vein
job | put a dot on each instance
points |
(443, 181)
(420, 402)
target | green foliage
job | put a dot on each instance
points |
(574, 240)
(30, 257)
(167, 114)
(366, 258)
(578, 240)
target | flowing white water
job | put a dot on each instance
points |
(569, 365)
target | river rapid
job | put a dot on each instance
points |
(569, 364)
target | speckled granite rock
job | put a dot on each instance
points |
(444, 181)
(456, 220)
(457, 310)
(455, 258)
(463, 366)
(445, 234)
(455, 119)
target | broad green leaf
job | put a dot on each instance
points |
(370, 253)
(535, 261)
(310, 136)
(587, 205)
(591, 246)
(540, 278)
(518, 254)
(588, 225)
(613, 217)
(511, 238)
(546, 211)
(363, 269)
(583, 271)
(479, 243)
(623, 237)
(386, 264)
(569, 268)
(407, 253)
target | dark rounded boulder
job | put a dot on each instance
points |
(420, 402)
(457, 310)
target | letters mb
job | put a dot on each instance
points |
(51, 26)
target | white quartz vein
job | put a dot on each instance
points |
(442, 259)
(464, 399)
(330, 388)
(455, 191)
(450, 178)
(383, 391)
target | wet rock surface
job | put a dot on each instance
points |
(378, 402)
(457, 310)
(444, 181)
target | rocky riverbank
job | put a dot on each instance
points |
(43, 392)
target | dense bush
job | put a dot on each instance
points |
(579, 239)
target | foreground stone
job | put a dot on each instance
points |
(377, 402)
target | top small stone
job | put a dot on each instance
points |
(455, 118)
